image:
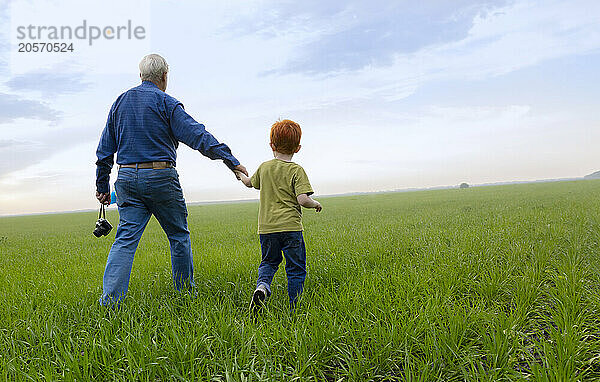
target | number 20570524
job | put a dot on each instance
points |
(39, 47)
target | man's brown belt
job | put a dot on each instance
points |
(153, 165)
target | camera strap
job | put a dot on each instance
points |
(102, 213)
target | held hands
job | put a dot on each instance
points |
(240, 168)
(242, 174)
(244, 178)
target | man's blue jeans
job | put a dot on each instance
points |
(142, 193)
(292, 246)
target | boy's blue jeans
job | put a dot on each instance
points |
(292, 246)
(142, 193)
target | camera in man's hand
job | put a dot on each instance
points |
(103, 226)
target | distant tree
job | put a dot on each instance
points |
(464, 185)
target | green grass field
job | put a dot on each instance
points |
(488, 283)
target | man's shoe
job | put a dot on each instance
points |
(258, 298)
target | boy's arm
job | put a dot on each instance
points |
(306, 201)
(246, 180)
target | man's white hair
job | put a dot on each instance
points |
(152, 68)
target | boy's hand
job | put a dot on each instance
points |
(307, 202)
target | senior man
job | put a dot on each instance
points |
(144, 128)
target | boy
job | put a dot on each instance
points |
(284, 187)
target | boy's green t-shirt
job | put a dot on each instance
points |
(280, 182)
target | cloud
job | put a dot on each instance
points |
(18, 154)
(352, 35)
(486, 42)
(13, 107)
(28, 193)
(49, 82)
(12, 144)
(521, 35)
(28, 184)
(4, 33)
(515, 37)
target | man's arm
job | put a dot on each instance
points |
(105, 154)
(194, 134)
(306, 201)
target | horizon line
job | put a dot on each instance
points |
(399, 190)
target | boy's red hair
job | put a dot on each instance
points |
(285, 136)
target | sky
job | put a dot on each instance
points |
(390, 94)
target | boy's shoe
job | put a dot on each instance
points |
(258, 298)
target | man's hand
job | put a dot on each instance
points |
(241, 169)
(103, 198)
